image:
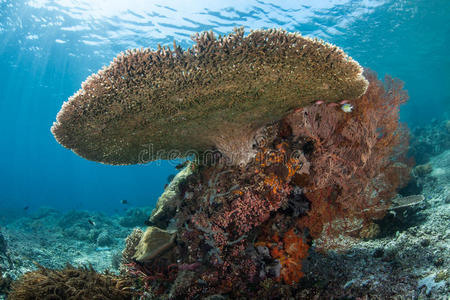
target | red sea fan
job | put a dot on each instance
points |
(356, 162)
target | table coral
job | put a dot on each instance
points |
(148, 105)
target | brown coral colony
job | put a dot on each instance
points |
(149, 105)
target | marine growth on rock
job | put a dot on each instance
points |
(294, 149)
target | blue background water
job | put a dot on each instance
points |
(47, 48)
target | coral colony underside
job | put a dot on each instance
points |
(313, 178)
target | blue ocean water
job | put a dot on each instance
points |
(48, 47)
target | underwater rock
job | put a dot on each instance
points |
(402, 202)
(75, 217)
(5, 284)
(422, 170)
(430, 140)
(134, 217)
(149, 105)
(403, 213)
(430, 282)
(169, 201)
(441, 168)
(129, 251)
(153, 242)
(3, 244)
(104, 239)
(80, 233)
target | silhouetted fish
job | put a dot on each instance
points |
(124, 201)
(26, 208)
(91, 222)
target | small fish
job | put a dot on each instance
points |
(347, 107)
(182, 165)
(124, 201)
(26, 208)
(91, 222)
(165, 186)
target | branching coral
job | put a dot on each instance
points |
(72, 283)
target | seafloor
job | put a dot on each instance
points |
(409, 259)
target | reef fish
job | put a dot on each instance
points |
(347, 107)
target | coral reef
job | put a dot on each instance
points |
(311, 158)
(131, 242)
(422, 170)
(71, 283)
(359, 158)
(5, 284)
(154, 242)
(149, 105)
(170, 200)
(321, 178)
(104, 239)
(408, 260)
(45, 236)
(430, 140)
(135, 216)
(3, 244)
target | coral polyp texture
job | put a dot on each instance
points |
(319, 181)
(149, 105)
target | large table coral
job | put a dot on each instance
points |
(216, 94)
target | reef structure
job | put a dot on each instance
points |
(305, 174)
(148, 105)
(72, 283)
